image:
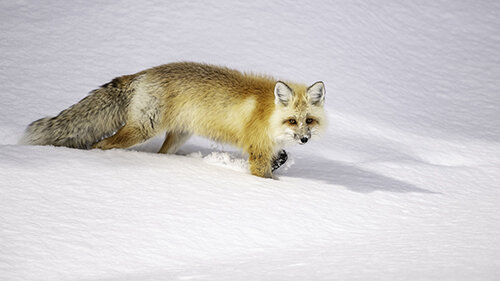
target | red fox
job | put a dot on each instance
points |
(253, 112)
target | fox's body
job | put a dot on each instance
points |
(249, 111)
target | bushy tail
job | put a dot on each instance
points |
(97, 116)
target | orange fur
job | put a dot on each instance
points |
(186, 98)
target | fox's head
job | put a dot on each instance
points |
(298, 114)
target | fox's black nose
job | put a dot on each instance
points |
(304, 140)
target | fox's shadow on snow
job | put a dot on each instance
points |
(349, 176)
(331, 172)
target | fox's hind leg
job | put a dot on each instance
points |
(173, 141)
(127, 136)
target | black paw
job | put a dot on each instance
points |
(279, 160)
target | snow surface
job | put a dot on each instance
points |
(404, 185)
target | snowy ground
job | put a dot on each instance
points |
(404, 185)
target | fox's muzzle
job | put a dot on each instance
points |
(303, 138)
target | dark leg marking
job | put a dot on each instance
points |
(279, 160)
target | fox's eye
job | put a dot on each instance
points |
(292, 121)
(309, 120)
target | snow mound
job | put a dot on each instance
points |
(403, 186)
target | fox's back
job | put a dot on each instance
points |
(211, 81)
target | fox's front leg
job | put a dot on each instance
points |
(278, 160)
(260, 162)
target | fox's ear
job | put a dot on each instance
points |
(316, 93)
(282, 93)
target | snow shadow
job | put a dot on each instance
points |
(350, 176)
(335, 173)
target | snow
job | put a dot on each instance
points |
(404, 185)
